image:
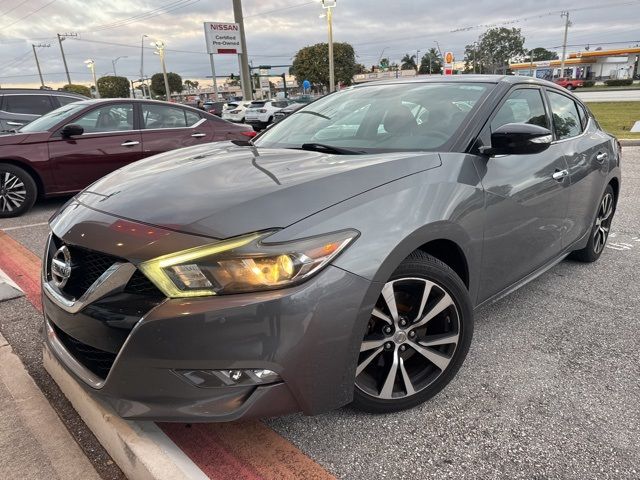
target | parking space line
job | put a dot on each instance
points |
(239, 450)
(18, 227)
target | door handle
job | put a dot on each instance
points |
(602, 156)
(15, 124)
(130, 143)
(560, 174)
(198, 135)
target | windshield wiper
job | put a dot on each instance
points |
(321, 147)
(310, 112)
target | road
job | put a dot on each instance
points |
(549, 390)
(610, 96)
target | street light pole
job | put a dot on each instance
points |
(329, 5)
(91, 64)
(113, 62)
(142, 64)
(37, 62)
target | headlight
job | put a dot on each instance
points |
(243, 264)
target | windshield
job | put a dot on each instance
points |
(52, 118)
(378, 118)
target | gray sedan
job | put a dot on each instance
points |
(337, 258)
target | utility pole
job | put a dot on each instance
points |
(243, 58)
(418, 60)
(35, 54)
(160, 47)
(142, 65)
(531, 62)
(329, 5)
(91, 65)
(564, 42)
(61, 37)
(475, 49)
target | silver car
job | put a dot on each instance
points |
(337, 258)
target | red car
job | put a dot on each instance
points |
(569, 83)
(69, 148)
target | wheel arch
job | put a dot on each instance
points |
(30, 170)
(615, 184)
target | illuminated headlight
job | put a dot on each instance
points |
(244, 264)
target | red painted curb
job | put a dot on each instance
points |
(238, 451)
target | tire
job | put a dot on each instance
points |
(600, 230)
(450, 327)
(569, 87)
(18, 191)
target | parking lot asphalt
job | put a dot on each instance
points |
(550, 388)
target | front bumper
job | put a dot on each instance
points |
(309, 335)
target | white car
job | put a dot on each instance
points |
(234, 111)
(260, 113)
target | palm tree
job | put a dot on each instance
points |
(408, 62)
(189, 85)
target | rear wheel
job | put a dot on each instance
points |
(18, 191)
(417, 338)
(569, 87)
(600, 230)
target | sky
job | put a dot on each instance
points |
(277, 29)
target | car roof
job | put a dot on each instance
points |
(467, 78)
(39, 91)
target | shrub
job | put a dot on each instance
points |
(113, 87)
(618, 82)
(588, 83)
(79, 89)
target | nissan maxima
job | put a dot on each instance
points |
(337, 258)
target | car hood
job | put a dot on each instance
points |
(222, 190)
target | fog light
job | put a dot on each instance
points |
(230, 378)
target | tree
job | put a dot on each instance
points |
(541, 54)
(431, 62)
(360, 68)
(312, 63)
(408, 62)
(113, 87)
(188, 84)
(79, 89)
(493, 50)
(157, 83)
(384, 64)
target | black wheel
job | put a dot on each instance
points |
(600, 230)
(18, 191)
(417, 338)
(569, 87)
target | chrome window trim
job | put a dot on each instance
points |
(141, 130)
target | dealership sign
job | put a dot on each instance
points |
(222, 37)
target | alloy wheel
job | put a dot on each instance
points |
(410, 340)
(603, 223)
(13, 192)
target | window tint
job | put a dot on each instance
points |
(522, 106)
(280, 104)
(112, 118)
(192, 118)
(566, 119)
(32, 104)
(66, 100)
(161, 116)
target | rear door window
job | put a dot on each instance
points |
(192, 118)
(161, 116)
(27, 104)
(522, 106)
(62, 100)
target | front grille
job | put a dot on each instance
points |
(97, 361)
(87, 266)
(139, 284)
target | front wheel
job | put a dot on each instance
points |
(417, 338)
(18, 191)
(600, 230)
(570, 87)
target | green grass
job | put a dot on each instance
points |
(617, 118)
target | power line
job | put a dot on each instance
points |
(170, 7)
(28, 15)
(13, 8)
(279, 9)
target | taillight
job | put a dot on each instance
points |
(234, 111)
(248, 133)
(262, 110)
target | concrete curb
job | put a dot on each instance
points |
(140, 449)
(629, 142)
(8, 289)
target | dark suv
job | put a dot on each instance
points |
(22, 105)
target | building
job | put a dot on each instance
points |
(589, 65)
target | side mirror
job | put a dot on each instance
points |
(71, 130)
(518, 139)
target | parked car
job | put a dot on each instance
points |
(213, 107)
(260, 113)
(569, 83)
(336, 259)
(69, 148)
(235, 111)
(19, 106)
(286, 111)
